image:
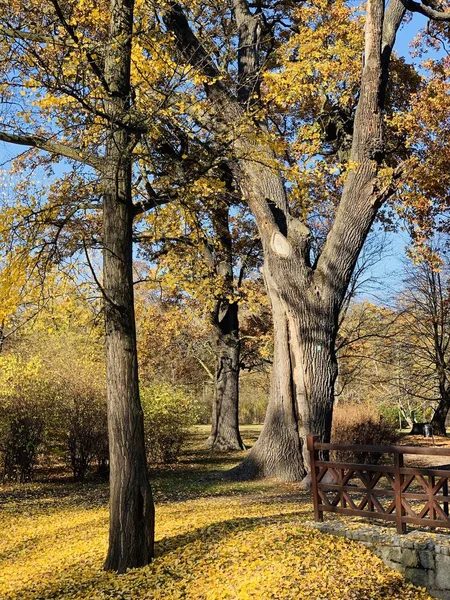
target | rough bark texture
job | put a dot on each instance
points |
(310, 296)
(131, 531)
(277, 452)
(440, 415)
(227, 345)
(306, 298)
(225, 420)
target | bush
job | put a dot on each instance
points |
(392, 414)
(87, 432)
(169, 411)
(23, 434)
(25, 413)
(362, 425)
(54, 411)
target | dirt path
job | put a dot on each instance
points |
(426, 461)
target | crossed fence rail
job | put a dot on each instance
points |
(392, 492)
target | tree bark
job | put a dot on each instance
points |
(306, 298)
(225, 322)
(310, 296)
(131, 530)
(304, 371)
(440, 415)
(225, 414)
(277, 451)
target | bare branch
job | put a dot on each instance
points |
(35, 141)
(426, 11)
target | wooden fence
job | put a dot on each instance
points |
(391, 492)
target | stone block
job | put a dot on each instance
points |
(417, 577)
(425, 545)
(394, 554)
(395, 566)
(442, 579)
(442, 594)
(410, 558)
(426, 558)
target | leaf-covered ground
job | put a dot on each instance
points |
(216, 540)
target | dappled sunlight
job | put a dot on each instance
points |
(232, 541)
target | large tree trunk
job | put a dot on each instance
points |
(306, 297)
(131, 531)
(440, 415)
(225, 414)
(309, 296)
(303, 375)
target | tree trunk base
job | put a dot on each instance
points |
(417, 429)
(266, 460)
(131, 543)
(225, 444)
(439, 429)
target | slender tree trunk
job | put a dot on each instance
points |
(225, 322)
(131, 531)
(225, 415)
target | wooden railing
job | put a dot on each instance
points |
(391, 492)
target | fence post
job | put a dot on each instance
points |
(314, 456)
(445, 493)
(398, 482)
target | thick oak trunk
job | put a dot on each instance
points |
(306, 298)
(440, 416)
(225, 414)
(302, 387)
(277, 451)
(131, 530)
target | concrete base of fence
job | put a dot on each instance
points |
(423, 559)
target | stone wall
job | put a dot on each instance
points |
(423, 559)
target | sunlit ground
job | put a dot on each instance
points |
(215, 540)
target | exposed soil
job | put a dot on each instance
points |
(426, 461)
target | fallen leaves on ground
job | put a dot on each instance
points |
(249, 546)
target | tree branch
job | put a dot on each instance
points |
(195, 54)
(96, 69)
(249, 27)
(361, 196)
(35, 37)
(35, 141)
(426, 11)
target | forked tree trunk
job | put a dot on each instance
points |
(306, 297)
(311, 295)
(131, 529)
(225, 414)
